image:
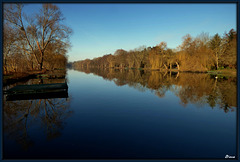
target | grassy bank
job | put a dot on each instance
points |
(20, 76)
(24, 76)
(224, 72)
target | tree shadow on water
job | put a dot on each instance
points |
(21, 118)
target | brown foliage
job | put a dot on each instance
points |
(37, 38)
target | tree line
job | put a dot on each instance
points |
(200, 53)
(34, 41)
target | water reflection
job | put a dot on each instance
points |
(111, 122)
(21, 117)
(191, 88)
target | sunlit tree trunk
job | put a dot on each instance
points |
(178, 66)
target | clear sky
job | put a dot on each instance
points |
(100, 29)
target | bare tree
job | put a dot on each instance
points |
(37, 31)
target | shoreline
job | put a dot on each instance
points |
(224, 72)
(12, 78)
(20, 76)
(24, 76)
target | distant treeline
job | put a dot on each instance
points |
(201, 53)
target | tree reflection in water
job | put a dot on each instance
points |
(194, 88)
(21, 115)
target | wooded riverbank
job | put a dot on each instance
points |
(196, 54)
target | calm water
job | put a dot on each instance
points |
(126, 114)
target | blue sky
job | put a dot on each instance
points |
(100, 29)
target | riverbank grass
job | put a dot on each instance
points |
(224, 72)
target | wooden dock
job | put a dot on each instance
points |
(37, 91)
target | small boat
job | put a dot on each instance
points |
(37, 91)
